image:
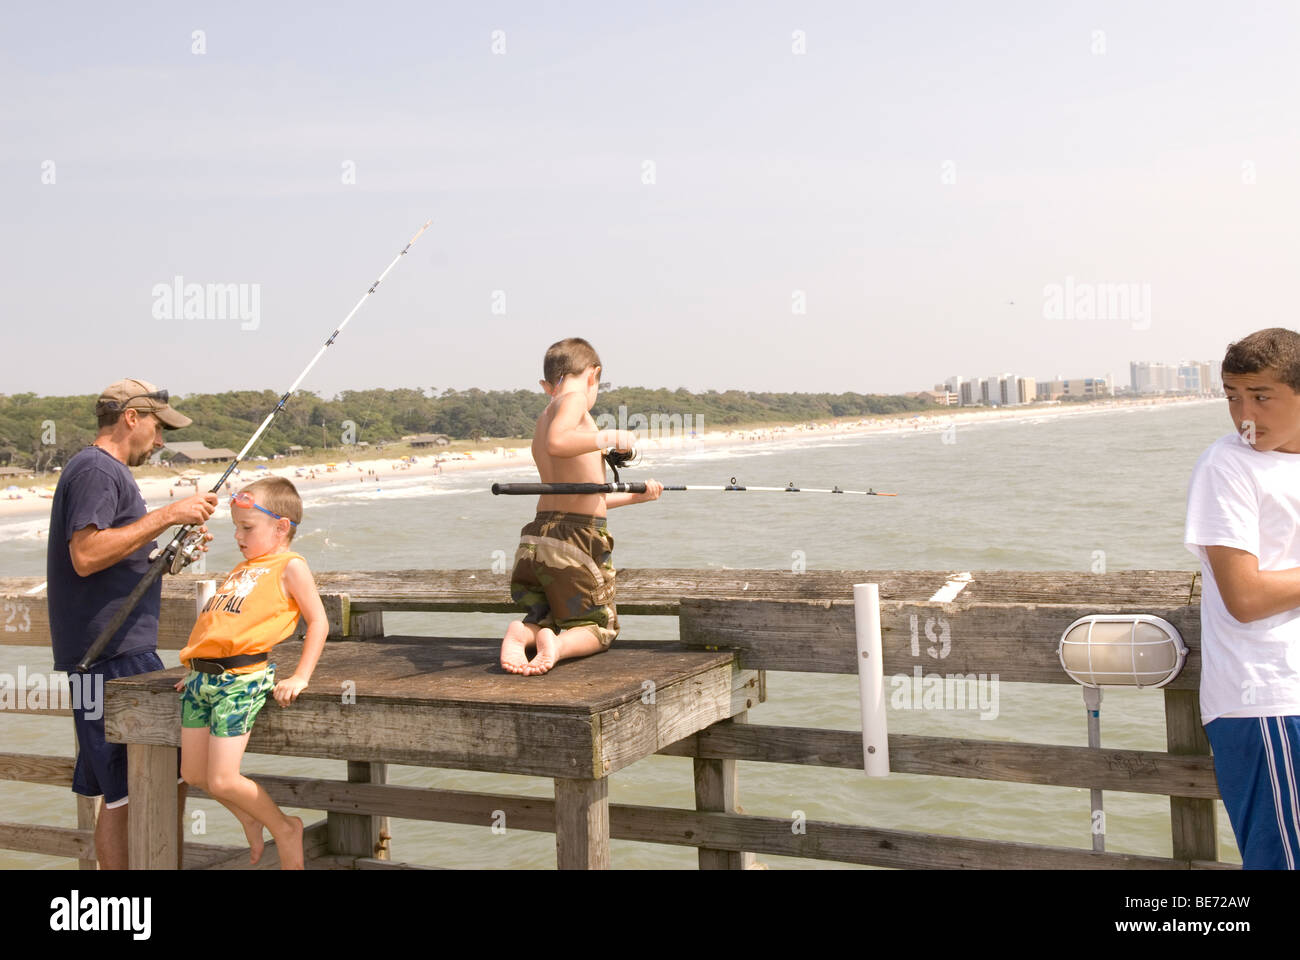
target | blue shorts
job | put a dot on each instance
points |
(1255, 760)
(101, 766)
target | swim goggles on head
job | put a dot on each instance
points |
(246, 500)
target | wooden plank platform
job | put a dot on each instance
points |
(447, 703)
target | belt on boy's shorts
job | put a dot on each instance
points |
(222, 664)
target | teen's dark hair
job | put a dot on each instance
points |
(1276, 349)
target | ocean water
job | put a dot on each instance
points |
(1028, 494)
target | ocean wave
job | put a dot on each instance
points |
(392, 493)
(25, 530)
(697, 456)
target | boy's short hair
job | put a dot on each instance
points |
(279, 496)
(566, 357)
(1276, 349)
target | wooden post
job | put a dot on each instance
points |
(582, 824)
(366, 626)
(360, 834)
(1192, 821)
(717, 789)
(152, 814)
(87, 810)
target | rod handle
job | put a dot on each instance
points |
(563, 489)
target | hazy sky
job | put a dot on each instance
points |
(902, 179)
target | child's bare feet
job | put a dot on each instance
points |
(548, 653)
(289, 844)
(252, 831)
(514, 648)
(256, 842)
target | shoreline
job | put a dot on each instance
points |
(36, 496)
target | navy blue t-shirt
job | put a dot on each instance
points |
(96, 489)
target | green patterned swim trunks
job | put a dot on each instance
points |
(226, 703)
(564, 574)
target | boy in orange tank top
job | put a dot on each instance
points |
(228, 654)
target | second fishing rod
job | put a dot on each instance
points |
(186, 545)
(638, 486)
(621, 458)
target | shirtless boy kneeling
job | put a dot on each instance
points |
(564, 572)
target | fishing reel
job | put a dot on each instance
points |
(621, 458)
(181, 551)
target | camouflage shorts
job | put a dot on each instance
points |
(564, 574)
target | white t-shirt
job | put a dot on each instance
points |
(1244, 498)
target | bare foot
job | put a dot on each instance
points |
(289, 845)
(548, 653)
(256, 843)
(514, 648)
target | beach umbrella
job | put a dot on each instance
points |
(262, 466)
(12, 489)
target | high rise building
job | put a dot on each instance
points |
(1185, 376)
(1086, 387)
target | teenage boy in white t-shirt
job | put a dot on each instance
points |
(1243, 522)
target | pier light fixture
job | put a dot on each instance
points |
(1122, 650)
(1117, 650)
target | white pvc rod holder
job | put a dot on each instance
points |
(871, 679)
(203, 592)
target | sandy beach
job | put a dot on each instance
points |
(33, 497)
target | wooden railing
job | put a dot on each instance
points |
(1003, 623)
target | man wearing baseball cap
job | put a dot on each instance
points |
(101, 535)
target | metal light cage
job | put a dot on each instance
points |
(1122, 650)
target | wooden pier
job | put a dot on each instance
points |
(378, 699)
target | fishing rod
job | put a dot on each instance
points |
(638, 486)
(185, 547)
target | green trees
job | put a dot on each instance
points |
(40, 431)
(35, 431)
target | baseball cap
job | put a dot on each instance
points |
(133, 394)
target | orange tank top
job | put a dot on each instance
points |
(249, 613)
